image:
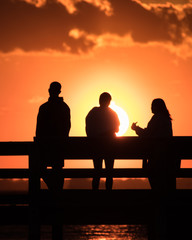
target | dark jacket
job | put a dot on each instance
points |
(159, 126)
(102, 122)
(161, 162)
(53, 120)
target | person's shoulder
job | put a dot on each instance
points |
(44, 105)
(94, 109)
(155, 118)
(92, 112)
(112, 112)
(65, 105)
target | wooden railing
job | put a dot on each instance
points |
(127, 148)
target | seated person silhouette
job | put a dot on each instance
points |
(53, 124)
(102, 123)
(160, 168)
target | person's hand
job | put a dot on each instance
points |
(134, 126)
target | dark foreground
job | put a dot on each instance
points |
(117, 207)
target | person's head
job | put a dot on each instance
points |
(55, 89)
(105, 99)
(158, 106)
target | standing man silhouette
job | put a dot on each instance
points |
(102, 123)
(53, 124)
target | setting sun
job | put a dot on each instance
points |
(123, 118)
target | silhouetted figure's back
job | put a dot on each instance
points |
(102, 123)
(53, 119)
(53, 123)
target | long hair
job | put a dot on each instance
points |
(159, 107)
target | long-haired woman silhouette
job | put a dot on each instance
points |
(160, 165)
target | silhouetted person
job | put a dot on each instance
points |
(160, 164)
(53, 124)
(161, 168)
(102, 123)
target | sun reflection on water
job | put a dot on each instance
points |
(80, 232)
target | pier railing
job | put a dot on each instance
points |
(127, 148)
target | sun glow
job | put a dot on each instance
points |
(123, 118)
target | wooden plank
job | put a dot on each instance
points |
(14, 198)
(14, 173)
(90, 173)
(85, 148)
(184, 173)
(86, 197)
(15, 148)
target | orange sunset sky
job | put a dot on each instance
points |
(136, 50)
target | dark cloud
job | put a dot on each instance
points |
(165, 1)
(32, 28)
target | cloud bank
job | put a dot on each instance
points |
(77, 26)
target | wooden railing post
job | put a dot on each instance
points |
(34, 193)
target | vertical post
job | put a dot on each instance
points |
(34, 190)
(57, 231)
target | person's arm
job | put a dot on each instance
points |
(117, 123)
(68, 127)
(38, 126)
(87, 124)
(139, 131)
(91, 124)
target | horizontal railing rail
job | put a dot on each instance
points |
(90, 173)
(86, 148)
